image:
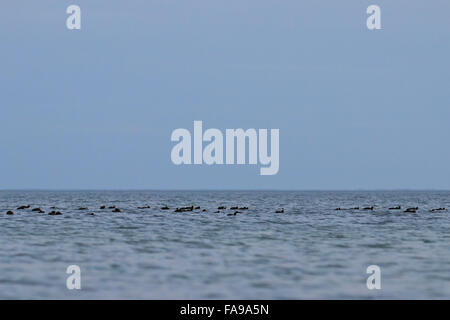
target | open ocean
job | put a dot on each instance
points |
(309, 251)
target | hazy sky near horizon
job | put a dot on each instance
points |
(94, 108)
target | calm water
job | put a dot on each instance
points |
(310, 251)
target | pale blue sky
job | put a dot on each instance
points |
(95, 108)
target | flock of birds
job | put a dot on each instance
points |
(409, 210)
(235, 209)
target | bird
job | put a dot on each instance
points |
(9, 213)
(184, 209)
(411, 210)
(395, 208)
(116, 210)
(280, 211)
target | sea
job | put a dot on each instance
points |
(309, 251)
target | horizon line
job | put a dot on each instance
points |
(215, 189)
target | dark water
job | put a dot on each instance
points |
(310, 251)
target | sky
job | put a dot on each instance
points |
(95, 108)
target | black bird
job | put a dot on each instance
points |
(411, 210)
(54, 213)
(438, 209)
(165, 208)
(23, 207)
(221, 208)
(368, 208)
(395, 208)
(103, 207)
(184, 209)
(9, 212)
(116, 210)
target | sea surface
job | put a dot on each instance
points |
(311, 251)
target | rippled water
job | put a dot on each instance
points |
(310, 251)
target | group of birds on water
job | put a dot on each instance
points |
(236, 209)
(408, 210)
